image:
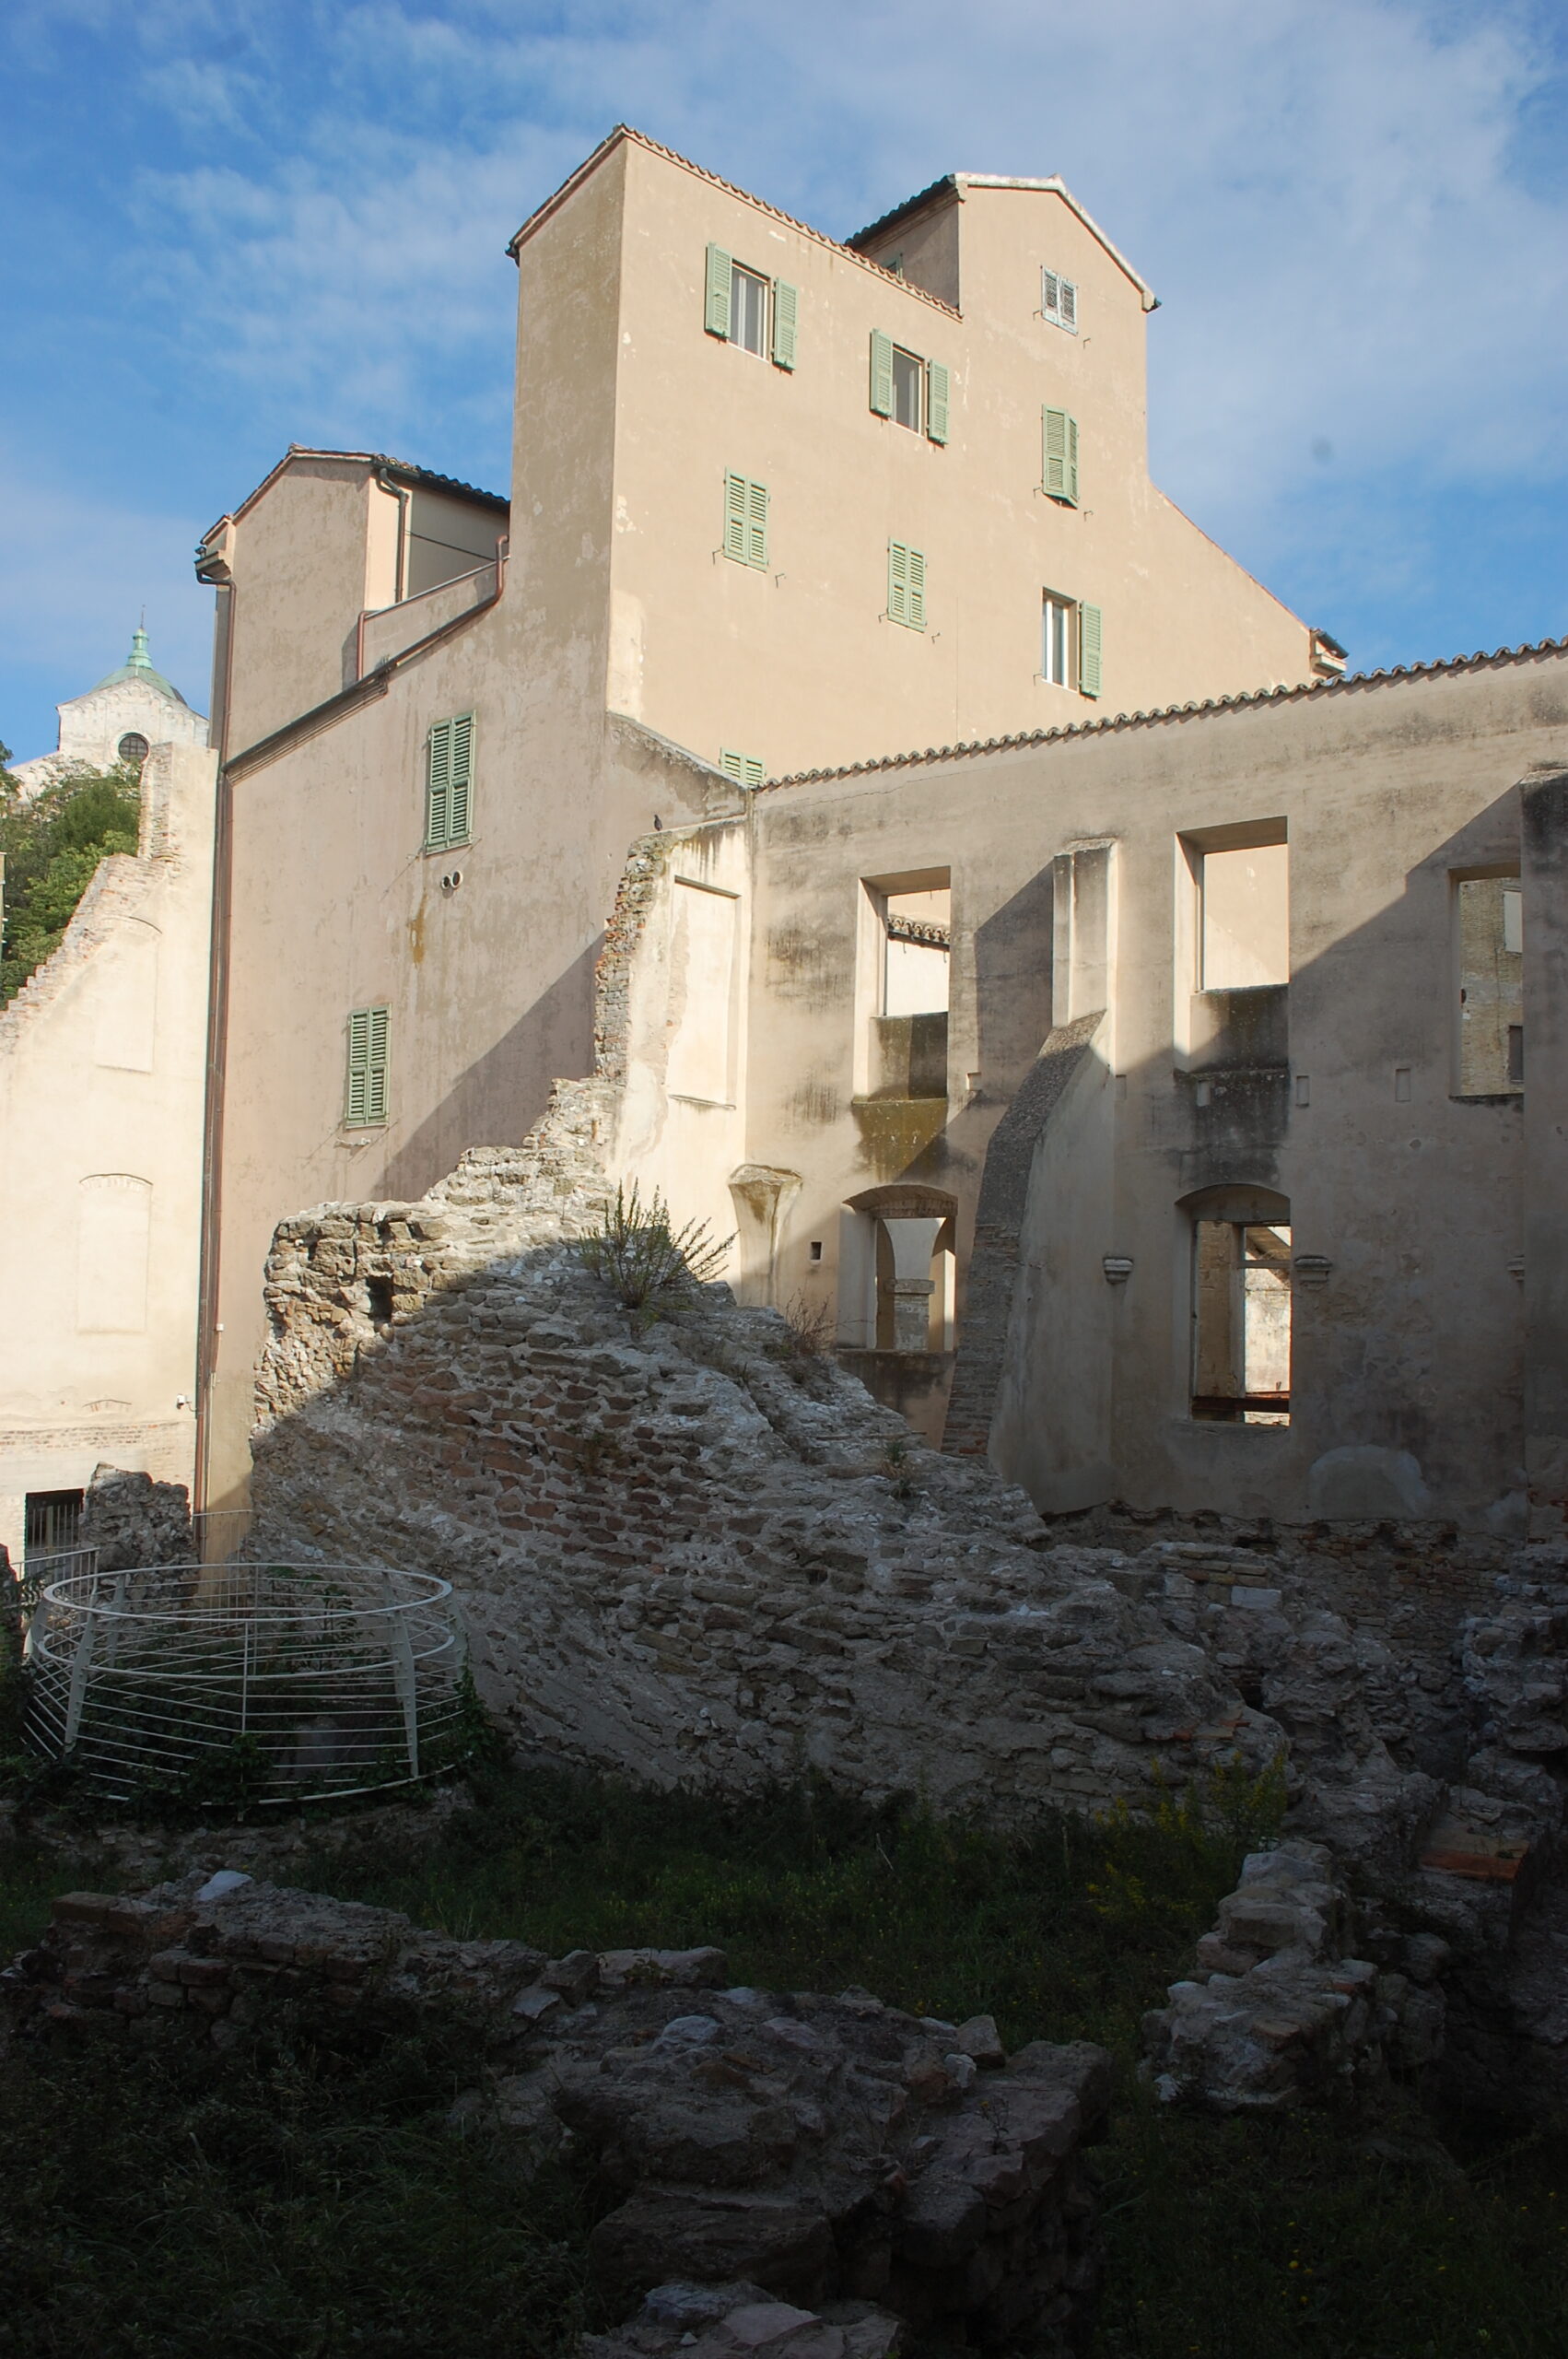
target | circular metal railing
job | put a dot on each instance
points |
(284, 1682)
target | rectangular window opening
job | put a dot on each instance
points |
(52, 1527)
(1241, 1320)
(748, 310)
(902, 985)
(747, 769)
(1244, 917)
(1489, 914)
(909, 375)
(916, 947)
(1057, 632)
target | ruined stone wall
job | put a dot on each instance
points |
(767, 2144)
(692, 1552)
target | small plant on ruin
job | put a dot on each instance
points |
(808, 1329)
(896, 1468)
(654, 1266)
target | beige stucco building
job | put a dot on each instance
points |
(776, 502)
(102, 1056)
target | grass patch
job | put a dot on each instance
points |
(288, 2202)
(332, 2202)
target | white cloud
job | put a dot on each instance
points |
(1325, 194)
(1367, 297)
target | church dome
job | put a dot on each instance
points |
(138, 666)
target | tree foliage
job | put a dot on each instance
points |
(51, 845)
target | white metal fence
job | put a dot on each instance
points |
(305, 1681)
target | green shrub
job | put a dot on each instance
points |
(653, 1267)
(51, 845)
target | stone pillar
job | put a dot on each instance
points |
(913, 1242)
(762, 1196)
(1544, 885)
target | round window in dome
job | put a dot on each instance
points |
(132, 747)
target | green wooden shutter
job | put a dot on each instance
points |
(715, 307)
(897, 582)
(916, 563)
(786, 312)
(438, 784)
(358, 1065)
(1090, 641)
(376, 1066)
(462, 778)
(756, 524)
(882, 373)
(936, 400)
(1060, 468)
(747, 769)
(735, 490)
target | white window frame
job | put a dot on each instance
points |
(914, 374)
(1059, 299)
(1055, 609)
(740, 271)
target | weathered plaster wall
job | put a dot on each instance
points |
(101, 1062)
(1413, 1349)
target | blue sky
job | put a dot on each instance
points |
(233, 224)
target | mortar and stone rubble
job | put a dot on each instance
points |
(696, 1553)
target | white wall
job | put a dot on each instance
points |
(101, 1062)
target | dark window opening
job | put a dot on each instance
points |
(816, 1249)
(132, 747)
(379, 1301)
(54, 1524)
(1240, 1318)
(1490, 914)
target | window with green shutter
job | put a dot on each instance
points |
(786, 312)
(1089, 646)
(739, 305)
(882, 373)
(909, 390)
(905, 585)
(365, 1099)
(745, 519)
(716, 296)
(936, 401)
(1059, 301)
(747, 769)
(1059, 464)
(449, 782)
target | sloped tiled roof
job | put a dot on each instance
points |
(624, 132)
(1247, 701)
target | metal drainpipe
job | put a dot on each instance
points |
(404, 499)
(217, 1025)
